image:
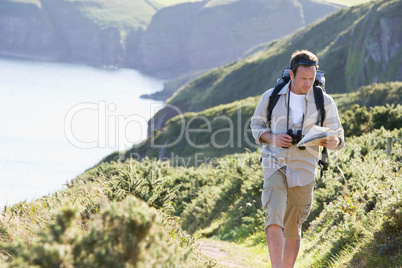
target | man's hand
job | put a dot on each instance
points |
(281, 140)
(331, 144)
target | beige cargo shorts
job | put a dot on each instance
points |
(286, 207)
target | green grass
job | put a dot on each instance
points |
(356, 217)
(359, 223)
(221, 130)
(356, 220)
(123, 14)
(217, 131)
(89, 224)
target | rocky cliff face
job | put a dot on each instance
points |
(384, 47)
(26, 32)
(180, 39)
(196, 36)
(82, 39)
(375, 44)
(57, 31)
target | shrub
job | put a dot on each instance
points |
(125, 234)
(358, 120)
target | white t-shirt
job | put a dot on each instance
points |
(296, 107)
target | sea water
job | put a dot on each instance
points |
(57, 120)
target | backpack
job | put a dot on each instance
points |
(319, 88)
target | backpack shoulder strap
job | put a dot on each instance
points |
(319, 103)
(273, 99)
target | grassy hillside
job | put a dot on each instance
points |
(175, 2)
(123, 14)
(96, 221)
(127, 214)
(224, 129)
(352, 222)
(115, 208)
(348, 44)
(347, 3)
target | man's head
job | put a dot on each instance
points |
(305, 64)
(302, 58)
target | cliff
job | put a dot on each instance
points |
(82, 40)
(355, 46)
(92, 32)
(198, 36)
(180, 39)
(25, 31)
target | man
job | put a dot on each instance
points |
(289, 171)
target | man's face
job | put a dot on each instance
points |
(304, 79)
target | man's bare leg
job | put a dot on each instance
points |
(291, 249)
(274, 234)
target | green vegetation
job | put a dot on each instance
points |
(346, 42)
(214, 132)
(134, 213)
(379, 94)
(224, 129)
(356, 217)
(119, 13)
(97, 221)
(338, 2)
(126, 15)
(148, 213)
(126, 233)
(171, 86)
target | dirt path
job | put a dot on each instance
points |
(220, 255)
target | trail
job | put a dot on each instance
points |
(219, 254)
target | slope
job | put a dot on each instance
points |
(356, 46)
(196, 138)
(99, 218)
(198, 36)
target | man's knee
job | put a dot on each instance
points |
(273, 227)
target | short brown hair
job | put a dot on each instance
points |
(300, 55)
